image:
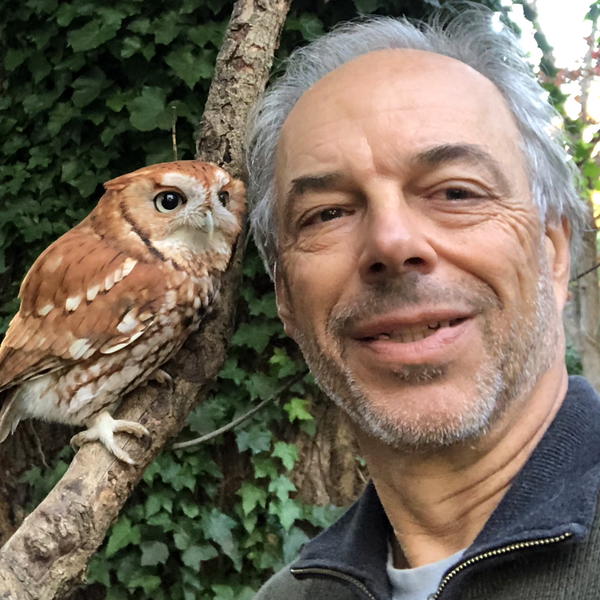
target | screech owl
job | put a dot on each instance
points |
(116, 296)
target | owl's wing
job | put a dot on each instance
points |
(81, 297)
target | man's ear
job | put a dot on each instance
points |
(282, 297)
(557, 238)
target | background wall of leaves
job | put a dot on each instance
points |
(90, 91)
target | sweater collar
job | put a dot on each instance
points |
(555, 492)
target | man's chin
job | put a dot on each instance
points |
(423, 411)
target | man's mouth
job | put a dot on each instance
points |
(412, 333)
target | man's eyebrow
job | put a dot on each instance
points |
(312, 183)
(471, 153)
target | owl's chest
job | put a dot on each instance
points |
(74, 394)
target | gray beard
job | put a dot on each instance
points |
(517, 355)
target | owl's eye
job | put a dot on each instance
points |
(223, 197)
(168, 201)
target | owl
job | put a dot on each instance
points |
(116, 296)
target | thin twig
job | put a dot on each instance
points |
(240, 419)
(585, 272)
(174, 131)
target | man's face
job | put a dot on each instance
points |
(413, 269)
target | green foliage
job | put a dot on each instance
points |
(89, 91)
(573, 358)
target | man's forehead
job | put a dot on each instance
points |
(393, 102)
(407, 68)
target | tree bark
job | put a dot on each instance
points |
(588, 306)
(329, 470)
(587, 290)
(47, 556)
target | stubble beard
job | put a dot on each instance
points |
(516, 356)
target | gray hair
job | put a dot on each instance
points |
(468, 37)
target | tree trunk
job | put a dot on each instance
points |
(47, 556)
(329, 470)
(588, 292)
(588, 306)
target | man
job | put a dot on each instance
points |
(415, 210)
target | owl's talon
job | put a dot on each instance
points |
(162, 378)
(103, 428)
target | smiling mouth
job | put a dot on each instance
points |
(413, 333)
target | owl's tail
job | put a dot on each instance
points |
(10, 415)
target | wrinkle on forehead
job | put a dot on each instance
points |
(412, 91)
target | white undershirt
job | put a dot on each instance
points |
(420, 582)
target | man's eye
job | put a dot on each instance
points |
(458, 194)
(329, 214)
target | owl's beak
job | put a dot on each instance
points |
(209, 224)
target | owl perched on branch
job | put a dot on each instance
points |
(116, 296)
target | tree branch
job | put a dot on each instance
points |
(239, 420)
(47, 556)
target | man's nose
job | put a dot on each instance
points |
(395, 242)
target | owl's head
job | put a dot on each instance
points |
(178, 207)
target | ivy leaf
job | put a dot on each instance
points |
(42, 6)
(149, 583)
(310, 26)
(282, 486)
(182, 540)
(288, 454)
(112, 17)
(118, 100)
(323, 516)
(147, 107)
(255, 438)
(153, 553)
(60, 114)
(292, 543)
(251, 497)
(38, 66)
(296, 409)
(116, 593)
(261, 386)
(166, 28)
(93, 34)
(265, 305)
(141, 25)
(152, 505)
(157, 500)
(122, 534)
(189, 508)
(66, 13)
(131, 45)
(69, 170)
(14, 57)
(88, 87)
(264, 467)
(217, 526)
(232, 371)
(288, 511)
(98, 571)
(367, 6)
(194, 555)
(207, 32)
(188, 66)
(227, 592)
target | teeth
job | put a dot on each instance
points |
(414, 334)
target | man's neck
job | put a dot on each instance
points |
(438, 502)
